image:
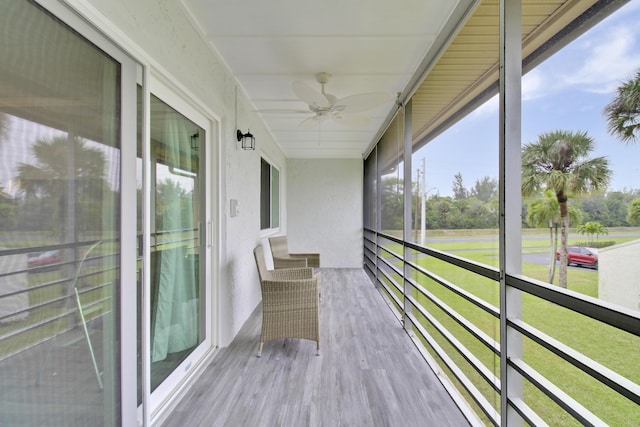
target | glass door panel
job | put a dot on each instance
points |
(177, 297)
(60, 229)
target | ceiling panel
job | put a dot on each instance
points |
(367, 46)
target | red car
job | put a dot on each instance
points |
(44, 258)
(580, 255)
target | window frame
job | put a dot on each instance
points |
(274, 200)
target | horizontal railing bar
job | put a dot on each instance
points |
(178, 231)
(371, 239)
(86, 289)
(393, 267)
(369, 256)
(603, 374)
(527, 414)
(611, 314)
(44, 248)
(471, 358)
(37, 287)
(37, 306)
(96, 303)
(390, 292)
(390, 237)
(476, 332)
(36, 325)
(468, 385)
(566, 402)
(370, 268)
(475, 267)
(35, 344)
(48, 302)
(171, 242)
(41, 341)
(480, 303)
(390, 253)
(391, 279)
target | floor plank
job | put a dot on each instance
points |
(368, 373)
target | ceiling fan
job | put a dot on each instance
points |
(326, 106)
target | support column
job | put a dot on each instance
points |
(404, 114)
(510, 202)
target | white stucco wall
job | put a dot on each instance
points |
(324, 210)
(618, 273)
(161, 36)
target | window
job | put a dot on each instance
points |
(269, 196)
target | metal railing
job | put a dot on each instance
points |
(48, 306)
(53, 298)
(468, 352)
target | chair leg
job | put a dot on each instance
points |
(318, 348)
(260, 349)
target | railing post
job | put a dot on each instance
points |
(510, 203)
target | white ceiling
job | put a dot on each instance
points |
(367, 46)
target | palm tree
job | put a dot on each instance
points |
(623, 112)
(66, 173)
(545, 211)
(592, 228)
(558, 161)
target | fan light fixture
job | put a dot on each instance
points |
(248, 140)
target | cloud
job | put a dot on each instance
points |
(607, 61)
(535, 85)
(596, 62)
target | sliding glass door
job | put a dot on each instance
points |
(177, 296)
(64, 241)
(173, 263)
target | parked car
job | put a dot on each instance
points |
(44, 258)
(580, 255)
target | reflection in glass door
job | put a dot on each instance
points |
(176, 314)
(62, 239)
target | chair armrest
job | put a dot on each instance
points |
(313, 260)
(291, 274)
(290, 293)
(289, 262)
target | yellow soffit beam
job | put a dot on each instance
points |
(469, 66)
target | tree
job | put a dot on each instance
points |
(558, 161)
(545, 211)
(459, 192)
(484, 189)
(67, 178)
(616, 207)
(392, 212)
(592, 228)
(623, 112)
(633, 214)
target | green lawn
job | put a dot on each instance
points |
(615, 349)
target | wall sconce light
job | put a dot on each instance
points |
(248, 140)
(194, 140)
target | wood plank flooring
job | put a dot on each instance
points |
(368, 373)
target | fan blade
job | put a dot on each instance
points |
(355, 120)
(361, 102)
(310, 123)
(283, 111)
(309, 94)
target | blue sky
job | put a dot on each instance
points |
(568, 91)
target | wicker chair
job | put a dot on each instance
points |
(289, 303)
(283, 259)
